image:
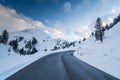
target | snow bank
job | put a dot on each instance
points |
(104, 56)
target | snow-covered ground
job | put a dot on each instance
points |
(11, 62)
(104, 56)
(14, 62)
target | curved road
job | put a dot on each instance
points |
(60, 66)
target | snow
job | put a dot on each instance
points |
(104, 56)
(11, 62)
(15, 62)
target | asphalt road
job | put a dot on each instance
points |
(60, 66)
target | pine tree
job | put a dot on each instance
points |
(92, 34)
(34, 51)
(55, 48)
(5, 36)
(15, 45)
(9, 50)
(98, 23)
(28, 44)
(34, 41)
(84, 39)
(20, 38)
(107, 27)
(45, 50)
(0, 39)
(21, 51)
(99, 32)
(119, 17)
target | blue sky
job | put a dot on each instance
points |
(65, 15)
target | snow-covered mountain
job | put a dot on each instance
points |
(102, 55)
(44, 40)
(28, 34)
(11, 61)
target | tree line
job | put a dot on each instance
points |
(30, 46)
(100, 30)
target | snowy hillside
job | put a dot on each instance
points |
(28, 34)
(104, 56)
(12, 61)
(44, 41)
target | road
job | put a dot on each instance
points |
(60, 66)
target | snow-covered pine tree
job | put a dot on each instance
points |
(99, 32)
(5, 36)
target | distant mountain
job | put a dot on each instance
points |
(44, 43)
(13, 59)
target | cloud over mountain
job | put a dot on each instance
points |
(12, 21)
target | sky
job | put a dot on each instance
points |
(67, 19)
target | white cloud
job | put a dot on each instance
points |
(54, 33)
(105, 1)
(67, 7)
(58, 33)
(38, 24)
(78, 7)
(85, 3)
(108, 20)
(12, 21)
(115, 10)
(55, 23)
(83, 32)
(69, 33)
(57, 28)
(47, 32)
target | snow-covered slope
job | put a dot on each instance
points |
(10, 62)
(28, 34)
(105, 55)
(44, 41)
